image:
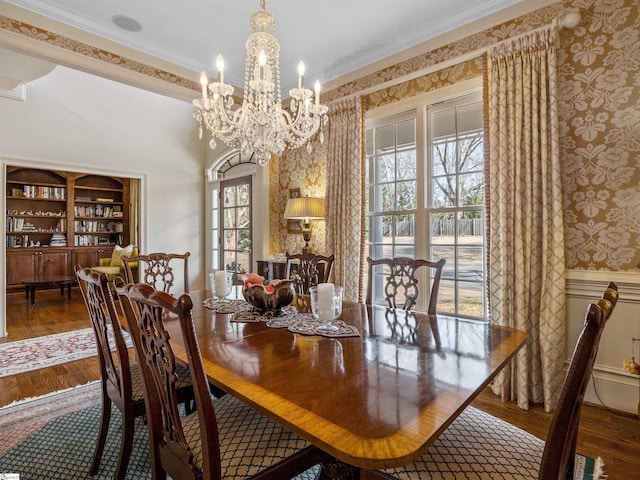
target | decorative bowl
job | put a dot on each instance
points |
(271, 297)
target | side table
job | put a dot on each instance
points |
(271, 269)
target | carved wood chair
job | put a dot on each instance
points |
(225, 439)
(309, 269)
(156, 269)
(401, 285)
(479, 445)
(120, 377)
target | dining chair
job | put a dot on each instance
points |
(221, 439)
(309, 269)
(120, 377)
(157, 269)
(400, 286)
(479, 445)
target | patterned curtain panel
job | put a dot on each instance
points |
(526, 260)
(344, 197)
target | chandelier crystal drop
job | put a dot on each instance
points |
(260, 125)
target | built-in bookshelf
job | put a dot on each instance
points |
(98, 211)
(36, 207)
(79, 216)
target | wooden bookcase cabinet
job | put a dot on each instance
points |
(57, 219)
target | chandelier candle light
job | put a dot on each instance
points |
(260, 125)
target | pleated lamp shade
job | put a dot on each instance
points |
(304, 208)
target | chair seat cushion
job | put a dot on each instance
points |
(108, 270)
(249, 441)
(137, 387)
(477, 446)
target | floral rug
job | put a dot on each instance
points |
(40, 352)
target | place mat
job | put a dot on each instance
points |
(309, 326)
(227, 306)
(291, 319)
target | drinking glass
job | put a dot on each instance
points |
(221, 283)
(326, 305)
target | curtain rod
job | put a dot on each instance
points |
(570, 21)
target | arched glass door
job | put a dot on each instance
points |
(235, 224)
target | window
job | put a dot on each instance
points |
(425, 197)
(235, 224)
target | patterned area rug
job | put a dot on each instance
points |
(40, 352)
(53, 438)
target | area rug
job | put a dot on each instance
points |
(40, 352)
(60, 447)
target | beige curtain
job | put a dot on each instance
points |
(344, 197)
(526, 262)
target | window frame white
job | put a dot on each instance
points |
(417, 107)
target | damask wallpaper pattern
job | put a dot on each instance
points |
(599, 110)
(599, 87)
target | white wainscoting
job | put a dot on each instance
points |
(614, 387)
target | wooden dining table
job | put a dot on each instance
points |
(375, 400)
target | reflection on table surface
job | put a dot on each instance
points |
(372, 401)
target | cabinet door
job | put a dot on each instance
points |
(89, 257)
(54, 263)
(20, 266)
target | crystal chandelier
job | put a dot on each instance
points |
(260, 125)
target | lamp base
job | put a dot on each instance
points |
(306, 236)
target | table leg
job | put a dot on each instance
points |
(26, 292)
(69, 291)
(337, 470)
(33, 294)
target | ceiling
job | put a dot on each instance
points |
(333, 37)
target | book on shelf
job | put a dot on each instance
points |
(52, 193)
(104, 200)
(58, 240)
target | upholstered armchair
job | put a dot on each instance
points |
(114, 266)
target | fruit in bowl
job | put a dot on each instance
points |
(270, 297)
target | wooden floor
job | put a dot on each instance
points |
(613, 436)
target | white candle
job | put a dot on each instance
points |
(203, 83)
(300, 74)
(221, 283)
(326, 310)
(220, 65)
(317, 88)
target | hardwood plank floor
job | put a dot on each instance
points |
(612, 435)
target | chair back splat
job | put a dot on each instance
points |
(400, 286)
(157, 269)
(506, 451)
(213, 442)
(308, 269)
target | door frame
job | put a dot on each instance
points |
(260, 200)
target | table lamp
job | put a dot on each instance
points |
(305, 209)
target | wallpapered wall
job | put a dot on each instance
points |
(599, 115)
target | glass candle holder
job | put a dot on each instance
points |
(326, 305)
(221, 283)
